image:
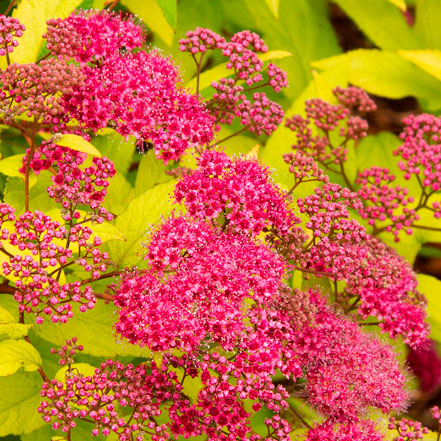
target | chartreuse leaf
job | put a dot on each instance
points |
(94, 330)
(10, 327)
(400, 4)
(15, 354)
(428, 60)
(431, 288)
(77, 143)
(112, 145)
(151, 172)
(386, 74)
(34, 14)
(274, 7)
(382, 22)
(119, 194)
(9, 166)
(428, 17)
(169, 8)
(152, 15)
(303, 29)
(38, 197)
(20, 399)
(141, 213)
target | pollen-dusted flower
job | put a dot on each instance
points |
(239, 189)
(90, 36)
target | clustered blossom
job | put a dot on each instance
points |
(75, 187)
(382, 283)
(322, 118)
(37, 255)
(202, 279)
(230, 99)
(93, 36)
(37, 90)
(239, 189)
(200, 40)
(360, 431)
(421, 154)
(386, 203)
(407, 429)
(10, 29)
(140, 94)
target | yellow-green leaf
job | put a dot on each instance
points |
(428, 60)
(79, 144)
(15, 354)
(150, 12)
(10, 165)
(274, 7)
(274, 55)
(9, 326)
(34, 14)
(107, 232)
(400, 4)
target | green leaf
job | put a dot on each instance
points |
(152, 15)
(386, 74)
(427, 60)
(107, 232)
(15, 354)
(431, 288)
(383, 23)
(9, 166)
(141, 213)
(151, 172)
(20, 399)
(303, 29)
(400, 4)
(119, 194)
(274, 7)
(77, 143)
(113, 146)
(9, 326)
(428, 17)
(38, 197)
(94, 330)
(34, 14)
(169, 8)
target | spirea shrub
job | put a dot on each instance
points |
(245, 298)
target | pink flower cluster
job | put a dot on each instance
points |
(139, 94)
(376, 275)
(230, 99)
(135, 92)
(37, 254)
(37, 90)
(239, 190)
(198, 291)
(93, 36)
(344, 117)
(421, 154)
(386, 203)
(10, 29)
